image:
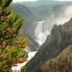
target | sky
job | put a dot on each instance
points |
(22, 0)
(38, 0)
(63, 0)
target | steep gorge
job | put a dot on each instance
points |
(59, 39)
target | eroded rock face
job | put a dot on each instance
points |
(62, 63)
(59, 39)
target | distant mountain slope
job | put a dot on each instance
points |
(44, 8)
(29, 24)
(59, 39)
(22, 9)
(53, 12)
(27, 16)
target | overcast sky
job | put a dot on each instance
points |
(36, 0)
(22, 0)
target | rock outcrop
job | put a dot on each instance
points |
(59, 39)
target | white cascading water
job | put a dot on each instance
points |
(40, 36)
(17, 67)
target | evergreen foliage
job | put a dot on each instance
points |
(11, 46)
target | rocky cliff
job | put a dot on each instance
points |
(62, 63)
(59, 40)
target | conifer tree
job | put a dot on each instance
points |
(11, 46)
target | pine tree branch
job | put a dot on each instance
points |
(7, 3)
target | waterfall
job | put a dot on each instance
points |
(39, 34)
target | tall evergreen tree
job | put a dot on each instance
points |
(11, 45)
